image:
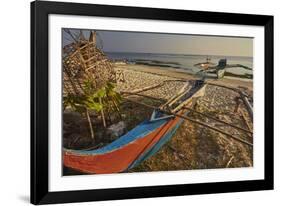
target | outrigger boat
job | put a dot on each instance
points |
(141, 142)
(219, 69)
(149, 136)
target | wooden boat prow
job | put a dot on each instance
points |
(137, 145)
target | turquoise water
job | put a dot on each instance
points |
(184, 62)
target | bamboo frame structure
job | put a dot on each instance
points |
(84, 62)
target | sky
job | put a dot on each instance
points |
(140, 42)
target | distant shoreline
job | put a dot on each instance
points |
(178, 54)
(242, 66)
(180, 74)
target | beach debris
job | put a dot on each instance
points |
(229, 161)
(116, 130)
(119, 76)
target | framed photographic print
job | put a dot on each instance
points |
(133, 102)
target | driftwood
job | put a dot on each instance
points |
(230, 160)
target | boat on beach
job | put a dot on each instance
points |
(95, 87)
(140, 143)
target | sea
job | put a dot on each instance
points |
(186, 62)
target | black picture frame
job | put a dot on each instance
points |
(39, 102)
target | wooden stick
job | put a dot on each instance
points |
(90, 124)
(142, 95)
(194, 121)
(247, 104)
(147, 88)
(228, 87)
(218, 120)
(154, 86)
(116, 108)
(230, 160)
(238, 103)
(93, 147)
(217, 130)
(102, 114)
(223, 86)
(244, 118)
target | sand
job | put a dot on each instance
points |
(181, 74)
(194, 146)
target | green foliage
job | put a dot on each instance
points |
(75, 102)
(92, 99)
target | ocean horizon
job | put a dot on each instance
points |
(184, 62)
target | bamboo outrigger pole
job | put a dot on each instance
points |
(244, 97)
(208, 116)
(194, 121)
(142, 95)
(218, 120)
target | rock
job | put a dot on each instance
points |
(116, 130)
